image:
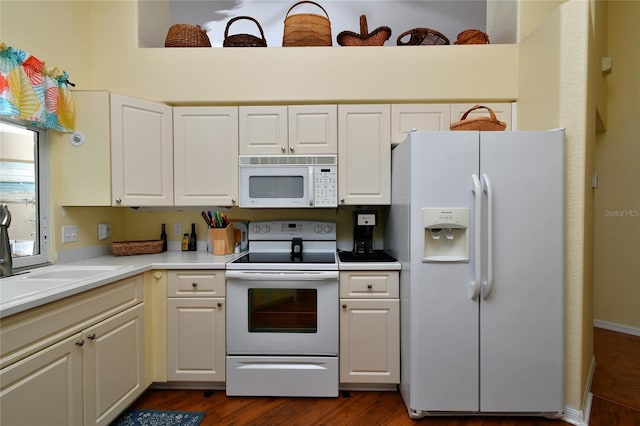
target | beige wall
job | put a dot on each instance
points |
(106, 57)
(617, 199)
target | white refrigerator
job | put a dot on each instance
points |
(477, 221)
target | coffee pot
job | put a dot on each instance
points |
(6, 261)
(363, 223)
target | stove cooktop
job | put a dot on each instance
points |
(286, 258)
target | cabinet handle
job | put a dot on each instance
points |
(283, 149)
(219, 304)
(80, 342)
(194, 284)
(344, 306)
(369, 286)
(91, 336)
(118, 200)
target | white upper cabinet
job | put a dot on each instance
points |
(364, 154)
(141, 152)
(296, 129)
(263, 130)
(313, 129)
(407, 117)
(205, 156)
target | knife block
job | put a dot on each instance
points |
(222, 240)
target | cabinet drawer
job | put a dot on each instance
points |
(369, 284)
(195, 283)
(27, 332)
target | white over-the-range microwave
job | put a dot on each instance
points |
(288, 181)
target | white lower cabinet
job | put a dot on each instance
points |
(369, 327)
(78, 361)
(44, 389)
(196, 326)
(113, 365)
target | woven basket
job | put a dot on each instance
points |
(479, 123)
(306, 29)
(129, 248)
(472, 37)
(375, 38)
(186, 35)
(243, 40)
(422, 36)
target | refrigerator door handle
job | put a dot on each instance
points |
(475, 284)
(487, 285)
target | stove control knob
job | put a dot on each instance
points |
(266, 229)
(328, 229)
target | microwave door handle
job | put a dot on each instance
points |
(311, 188)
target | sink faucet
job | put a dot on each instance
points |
(6, 262)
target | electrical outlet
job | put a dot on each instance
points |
(104, 231)
(69, 234)
(177, 229)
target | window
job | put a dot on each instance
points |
(23, 188)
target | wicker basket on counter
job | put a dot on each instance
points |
(130, 248)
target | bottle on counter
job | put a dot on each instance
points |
(193, 241)
(163, 237)
(185, 242)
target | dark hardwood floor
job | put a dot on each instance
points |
(616, 400)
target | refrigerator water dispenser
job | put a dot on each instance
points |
(446, 234)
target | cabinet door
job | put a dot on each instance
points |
(406, 117)
(369, 341)
(196, 339)
(502, 111)
(84, 170)
(205, 156)
(313, 129)
(141, 152)
(45, 388)
(113, 365)
(364, 154)
(263, 130)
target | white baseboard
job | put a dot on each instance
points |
(620, 328)
(581, 417)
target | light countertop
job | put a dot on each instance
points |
(47, 284)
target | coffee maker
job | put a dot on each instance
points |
(363, 223)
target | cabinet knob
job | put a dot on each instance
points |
(369, 286)
(344, 306)
(194, 284)
(118, 200)
(283, 149)
(219, 304)
(291, 149)
(233, 201)
(157, 275)
(80, 342)
(342, 200)
(91, 336)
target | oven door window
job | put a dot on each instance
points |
(277, 310)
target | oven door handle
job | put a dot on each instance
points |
(283, 275)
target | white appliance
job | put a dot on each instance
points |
(288, 181)
(477, 222)
(282, 312)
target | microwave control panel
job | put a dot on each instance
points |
(325, 186)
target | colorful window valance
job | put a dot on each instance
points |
(32, 92)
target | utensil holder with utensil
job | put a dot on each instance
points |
(222, 240)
